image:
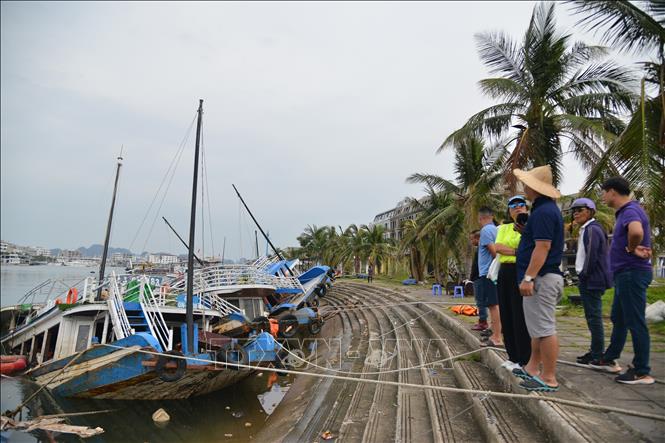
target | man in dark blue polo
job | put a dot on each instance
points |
(540, 280)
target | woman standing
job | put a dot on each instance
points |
(515, 335)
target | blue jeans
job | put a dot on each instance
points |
(592, 300)
(480, 303)
(630, 299)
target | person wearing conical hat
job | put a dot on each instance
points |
(538, 261)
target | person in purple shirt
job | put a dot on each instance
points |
(630, 262)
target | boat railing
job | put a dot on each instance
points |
(220, 305)
(212, 277)
(153, 315)
(264, 262)
(119, 319)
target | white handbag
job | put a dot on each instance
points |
(493, 272)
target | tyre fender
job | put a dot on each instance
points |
(163, 360)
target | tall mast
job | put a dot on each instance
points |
(190, 255)
(181, 240)
(260, 228)
(256, 240)
(102, 267)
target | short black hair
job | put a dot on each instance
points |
(485, 210)
(475, 233)
(619, 184)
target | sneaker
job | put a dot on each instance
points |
(585, 359)
(607, 366)
(509, 365)
(631, 378)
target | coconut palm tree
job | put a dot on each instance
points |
(639, 152)
(414, 246)
(313, 242)
(549, 92)
(478, 176)
(354, 246)
(377, 249)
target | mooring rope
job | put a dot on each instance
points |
(412, 385)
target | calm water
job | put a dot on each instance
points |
(202, 419)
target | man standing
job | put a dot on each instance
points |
(487, 296)
(541, 284)
(593, 270)
(630, 262)
(474, 237)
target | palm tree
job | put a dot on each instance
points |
(377, 249)
(413, 246)
(551, 92)
(354, 246)
(313, 242)
(478, 174)
(478, 179)
(639, 152)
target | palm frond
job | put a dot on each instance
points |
(624, 25)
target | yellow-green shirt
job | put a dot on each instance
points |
(507, 236)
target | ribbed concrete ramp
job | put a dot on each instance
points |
(373, 334)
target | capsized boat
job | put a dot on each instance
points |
(132, 345)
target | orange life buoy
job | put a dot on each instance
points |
(72, 296)
(274, 327)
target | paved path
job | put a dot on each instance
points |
(588, 384)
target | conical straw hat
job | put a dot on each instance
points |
(539, 179)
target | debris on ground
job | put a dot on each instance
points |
(160, 416)
(49, 424)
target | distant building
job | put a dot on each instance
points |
(393, 219)
(67, 255)
(168, 259)
(42, 252)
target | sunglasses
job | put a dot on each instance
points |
(517, 205)
(576, 210)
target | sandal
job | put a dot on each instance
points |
(521, 373)
(535, 383)
(490, 344)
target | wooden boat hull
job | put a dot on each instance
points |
(126, 373)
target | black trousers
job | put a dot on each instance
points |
(515, 335)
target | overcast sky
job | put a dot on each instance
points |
(316, 111)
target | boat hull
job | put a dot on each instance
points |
(125, 372)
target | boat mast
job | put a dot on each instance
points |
(256, 239)
(181, 240)
(192, 223)
(260, 228)
(102, 267)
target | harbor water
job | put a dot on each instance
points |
(233, 414)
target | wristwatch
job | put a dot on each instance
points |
(527, 278)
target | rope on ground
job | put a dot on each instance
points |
(413, 385)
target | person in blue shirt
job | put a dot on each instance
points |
(487, 295)
(538, 261)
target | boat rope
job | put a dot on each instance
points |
(174, 162)
(206, 189)
(476, 392)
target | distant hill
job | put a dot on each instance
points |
(96, 251)
(93, 251)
